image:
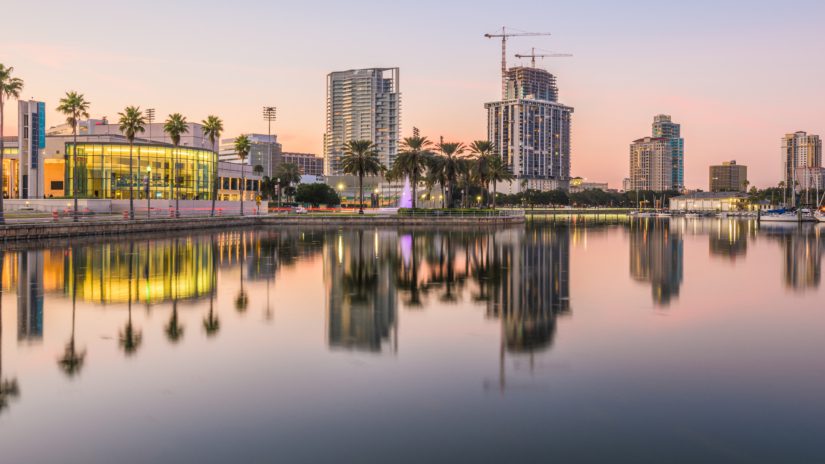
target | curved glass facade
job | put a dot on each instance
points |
(104, 171)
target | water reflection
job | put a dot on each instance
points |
(656, 257)
(802, 254)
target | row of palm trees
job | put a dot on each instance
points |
(451, 165)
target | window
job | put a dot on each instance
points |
(57, 185)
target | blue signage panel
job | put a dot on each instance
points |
(35, 131)
(41, 118)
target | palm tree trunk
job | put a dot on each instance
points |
(415, 182)
(215, 183)
(494, 195)
(2, 161)
(361, 192)
(131, 184)
(243, 187)
(177, 184)
(74, 171)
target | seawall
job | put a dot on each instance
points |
(92, 227)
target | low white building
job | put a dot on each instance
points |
(711, 202)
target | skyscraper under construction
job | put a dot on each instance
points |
(531, 130)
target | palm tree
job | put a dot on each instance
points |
(174, 127)
(499, 172)
(258, 169)
(412, 160)
(212, 128)
(450, 165)
(242, 147)
(10, 87)
(483, 151)
(131, 123)
(361, 159)
(288, 174)
(74, 106)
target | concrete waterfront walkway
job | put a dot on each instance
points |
(43, 228)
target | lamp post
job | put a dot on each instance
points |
(341, 192)
(378, 197)
(278, 183)
(148, 191)
(270, 114)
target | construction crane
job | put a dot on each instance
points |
(504, 35)
(533, 56)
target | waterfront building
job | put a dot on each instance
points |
(579, 184)
(724, 201)
(802, 161)
(362, 104)
(651, 164)
(530, 130)
(309, 164)
(264, 151)
(729, 177)
(664, 127)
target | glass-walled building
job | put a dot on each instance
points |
(103, 171)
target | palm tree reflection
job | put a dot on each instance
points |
(71, 362)
(9, 388)
(130, 337)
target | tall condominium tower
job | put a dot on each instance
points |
(802, 160)
(31, 140)
(531, 130)
(362, 104)
(664, 127)
(651, 164)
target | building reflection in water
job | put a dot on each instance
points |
(656, 256)
(29, 295)
(802, 253)
(361, 289)
(729, 238)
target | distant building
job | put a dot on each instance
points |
(664, 127)
(729, 177)
(310, 164)
(802, 161)
(362, 104)
(651, 164)
(578, 184)
(626, 184)
(265, 151)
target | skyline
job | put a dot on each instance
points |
(718, 74)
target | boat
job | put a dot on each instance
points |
(691, 215)
(783, 215)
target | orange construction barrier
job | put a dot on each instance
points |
(171, 212)
(55, 215)
(125, 214)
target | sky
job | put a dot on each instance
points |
(736, 74)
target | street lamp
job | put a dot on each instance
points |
(148, 191)
(270, 114)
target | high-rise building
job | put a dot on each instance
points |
(531, 130)
(264, 151)
(802, 161)
(310, 164)
(664, 127)
(31, 140)
(729, 177)
(362, 104)
(651, 164)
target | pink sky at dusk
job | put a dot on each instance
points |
(736, 74)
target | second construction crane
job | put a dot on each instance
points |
(504, 35)
(533, 55)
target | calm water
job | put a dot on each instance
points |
(652, 341)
